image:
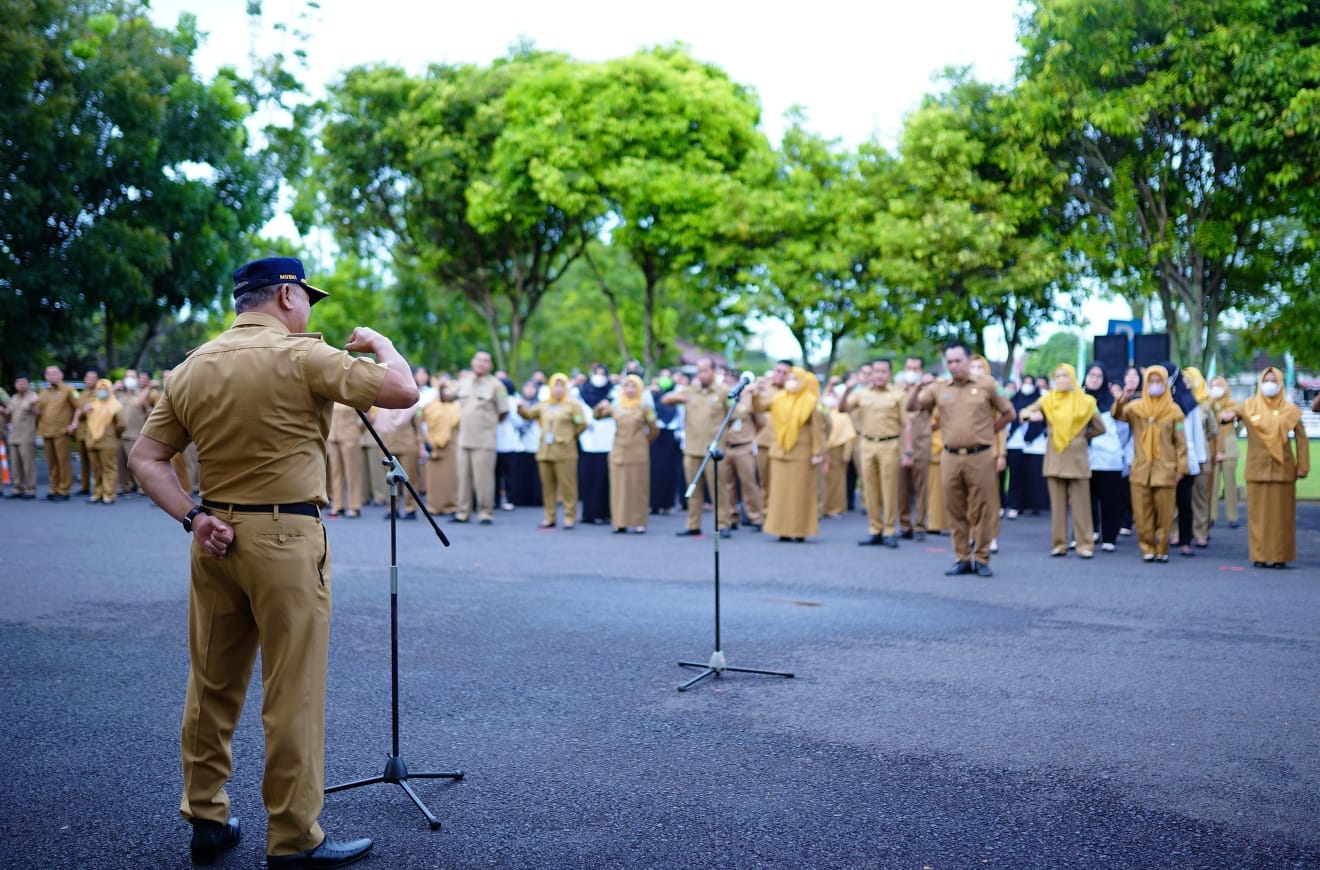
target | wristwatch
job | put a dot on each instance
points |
(188, 517)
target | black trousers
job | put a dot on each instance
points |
(1107, 488)
(1184, 497)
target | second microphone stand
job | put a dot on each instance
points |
(396, 771)
(717, 664)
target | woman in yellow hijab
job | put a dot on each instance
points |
(796, 458)
(1226, 452)
(1275, 463)
(630, 456)
(1071, 420)
(562, 418)
(104, 425)
(1159, 459)
(440, 422)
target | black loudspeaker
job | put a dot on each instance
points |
(1151, 349)
(1111, 351)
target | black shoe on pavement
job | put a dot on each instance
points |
(907, 535)
(487, 521)
(959, 568)
(889, 541)
(688, 533)
(211, 839)
(872, 541)
(725, 533)
(919, 535)
(982, 569)
(328, 854)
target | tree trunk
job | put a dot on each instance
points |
(614, 311)
(109, 341)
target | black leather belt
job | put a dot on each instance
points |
(301, 508)
(881, 438)
(743, 444)
(963, 451)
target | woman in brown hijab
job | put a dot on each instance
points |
(1226, 452)
(795, 458)
(440, 422)
(1159, 459)
(1274, 465)
(104, 424)
(630, 457)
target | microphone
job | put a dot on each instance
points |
(741, 385)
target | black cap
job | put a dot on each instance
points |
(274, 270)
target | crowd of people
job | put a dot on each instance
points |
(1147, 453)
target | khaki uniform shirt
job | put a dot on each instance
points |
(765, 429)
(1227, 441)
(482, 401)
(1261, 467)
(57, 409)
(1074, 462)
(635, 429)
(1161, 470)
(134, 413)
(257, 401)
(742, 430)
(704, 412)
(345, 425)
(561, 424)
(921, 430)
(23, 418)
(968, 411)
(878, 413)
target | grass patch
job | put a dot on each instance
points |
(1308, 488)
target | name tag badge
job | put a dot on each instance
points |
(973, 391)
(549, 438)
(737, 426)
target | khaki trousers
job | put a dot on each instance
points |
(1153, 508)
(690, 466)
(23, 466)
(558, 478)
(936, 519)
(272, 591)
(345, 475)
(913, 488)
(1071, 493)
(879, 476)
(476, 478)
(971, 501)
(763, 473)
(442, 479)
(1201, 505)
(85, 464)
(59, 463)
(127, 482)
(738, 470)
(105, 470)
(1227, 472)
(836, 483)
(373, 477)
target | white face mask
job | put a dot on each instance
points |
(976, 371)
(102, 394)
(910, 377)
(1269, 389)
(1216, 392)
(1155, 390)
(1028, 389)
(599, 380)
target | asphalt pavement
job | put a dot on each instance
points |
(1063, 713)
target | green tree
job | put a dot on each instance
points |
(130, 185)
(1061, 347)
(1187, 134)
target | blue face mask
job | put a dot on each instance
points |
(102, 394)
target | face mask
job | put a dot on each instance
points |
(1216, 392)
(599, 380)
(102, 394)
(792, 385)
(1155, 390)
(1269, 389)
(977, 372)
(1028, 389)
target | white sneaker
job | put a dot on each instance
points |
(1108, 548)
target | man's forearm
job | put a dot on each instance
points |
(162, 486)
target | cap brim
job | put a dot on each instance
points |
(314, 294)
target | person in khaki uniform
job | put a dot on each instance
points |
(738, 468)
(914, 480)
(100, 425)
(398, 429)
(971, 416)
(85, 461)
(345, 461)
(630, 456)
(138, 397)
(1159, 459)
(1274, 465)
(440, 421)
(841, 442)
(484, 402)
(881, 419)
(1226, 452)
(562, 419)
(1201, 500)
(1071, 419)
(796, 459)
(763, 393)
(936, 518)
(58, 404)
(21, 414)
(257, 401)
(705, 402)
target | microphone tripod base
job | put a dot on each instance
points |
(716, 668)
(396, 773)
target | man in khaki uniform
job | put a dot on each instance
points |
(80, 432)
(971, 412)
(398, 429)
(58, 404)
(914, 479)
(257, 402)
(705, 403)
(483, 403)
(346, 431)
(137, 400)
(21, 413)
(738, 468)
(881, 420)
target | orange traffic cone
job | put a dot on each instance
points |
(4, 465)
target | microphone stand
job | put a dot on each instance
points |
(396, 771)
(717, 664)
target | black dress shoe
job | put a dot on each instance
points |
(959, 568)
(487, 521)
(889, 541)
(328, 854)
(410, 515)
(211, 839)
(919, 535)
(907, 535)
(755, 527)
(982, 569)
(687, 533)
(872, 541)
(725, 533)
